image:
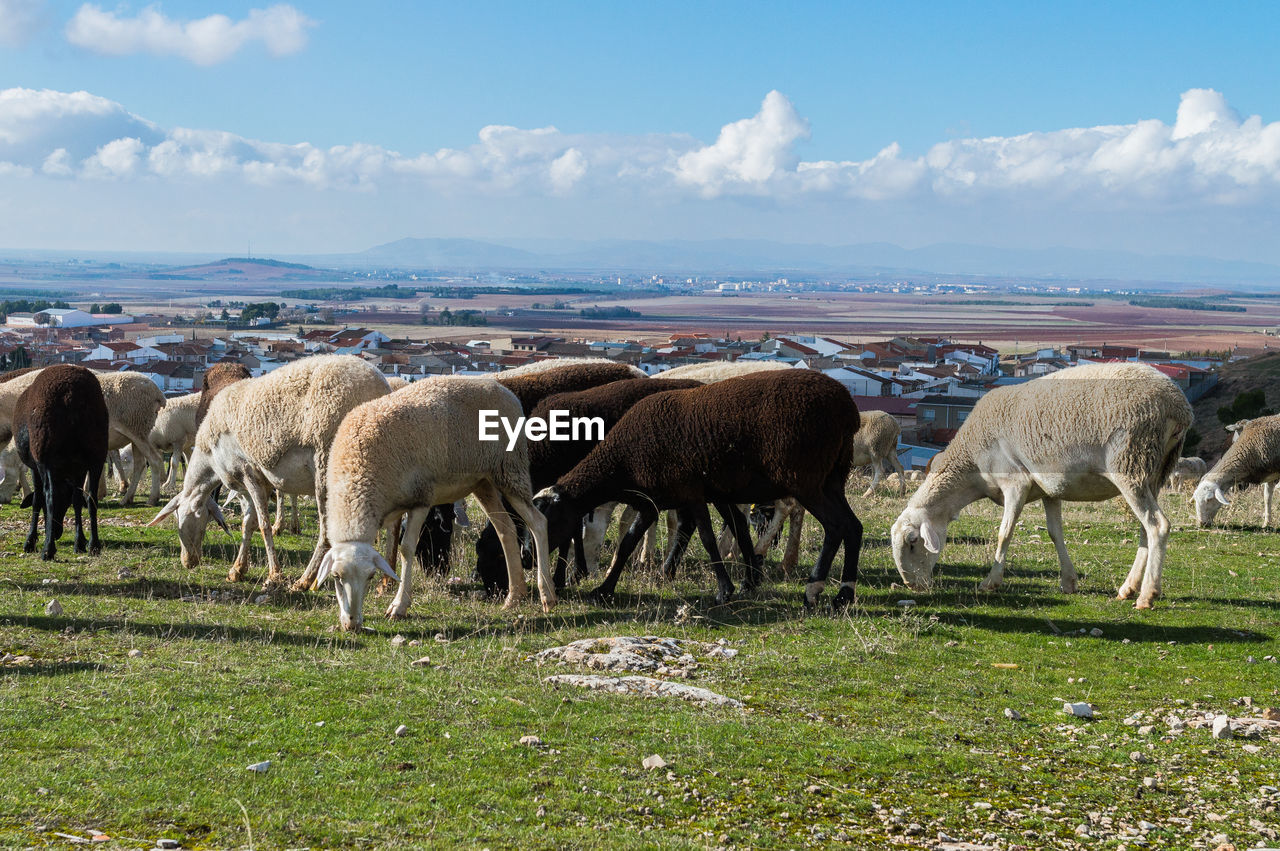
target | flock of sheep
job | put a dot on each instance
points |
(393, 462)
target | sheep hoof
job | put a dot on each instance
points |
(1068, 587)
(1142, 603)
(95, 549)
(1124, 593)
(395, 612)
(843, 599)
(602, 596)
(988, 586)
(29, 546)
(301, 585)
(47, 555)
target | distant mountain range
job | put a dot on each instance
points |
(746, 257)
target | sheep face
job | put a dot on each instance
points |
(352, 565)
(1209, 498)
(917, 541)
(193, 515)
(564, 518)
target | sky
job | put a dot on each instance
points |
(310, 126)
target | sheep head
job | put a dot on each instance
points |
(917, 540)
(1208, 498)
(193, 513)
(564, 515)
(352, 565)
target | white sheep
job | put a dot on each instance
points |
(270, 433)
(1252, 458)
(875, 444)
(413, 449)
(174, 432)
(1083, 434)
(1187, 471)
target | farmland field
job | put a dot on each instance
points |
(883, 726)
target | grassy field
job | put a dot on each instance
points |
(885, 726)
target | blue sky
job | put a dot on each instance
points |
(640, 96)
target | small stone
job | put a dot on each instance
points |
(319, 723)
(124, 573)
(1082, 830)
(1079, 710)
(1271, 713)
(260, 767)
(420, 663)
(1251, 660)
(53, 609)
(402, 731)
(262, 598)
(135, 653)
(168, 843)
(1012, 714)
(1146, 729)
(1250, 749)
(1139, 757)
(1222, 727)
(815, 789)
(397, 640)
(654, 761)
(1146, 826)
(533, 742)
(441, 638)
(1095, 632)
(906, 604)
(914, 829)
(542, 812)
(981, 805)
(1149, 782)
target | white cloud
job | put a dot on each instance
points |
(1208, 155)
(281, 28)
(19, 20)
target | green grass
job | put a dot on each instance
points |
(894, 715)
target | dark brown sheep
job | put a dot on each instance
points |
(60, 427)
(551, 459)
(218, 376)
(757, 438)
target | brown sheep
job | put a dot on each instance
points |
(757, 438)
(60, 427)
(217, 377)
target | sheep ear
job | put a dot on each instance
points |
(381, 564)
(216, 513)
(167, 510)
(933, 535)
(1220, 496)
(326, 564)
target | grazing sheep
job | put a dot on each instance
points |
(134, 402)
(1083, 434)
(11, 473)
(395, 382)
(413, 449)
(174, 432)
(876, 444)
(1252, 458)
(551, 459)
(60, 427)
(264, 434)
(1187, 471)
(755, 438)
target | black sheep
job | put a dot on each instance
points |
(757, 438)
(551, 459)
(60, 426)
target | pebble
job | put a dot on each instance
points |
(260, 767)
(906, 604)
(1079, 710)
(533, 742)
(421, 663)
(1149, 782)
(914, 829)
(1222, 727)
(1095, 632)
(397, 640)
(402, 731)
(1012, 714)
(53, 608)
(262, 598)
(168, 843)
(654, 761)
(1082, 830)
(815, 789)
(135, 653)
(1139, 757)
(1251, 748)
(1146, 826)
(124, 573)
(1146, 730)
(1251, 660)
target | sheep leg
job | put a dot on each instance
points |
(491, 502)
(52, 523)
(1147, 509)
(1053, 521)
(278, 526)
(77, 504)
(408, 554)
(262, 507)
(678, 540)
(876, 471)
(1134, 578)
(724, 585)
(536, 524)
(737, 524)
(248, 525)
(840, 526)
(308, 577)
(594, 526)
(791, 556)
(295, 523)
(37, 504)
(1268, 488)
(171, 482)
(781, 509)
(896, 463)
(646, 517)
(95, 543)
(1014, 500)
(580, 572)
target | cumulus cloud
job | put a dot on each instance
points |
(1209, 154)
(19, 20)
(281, 28)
